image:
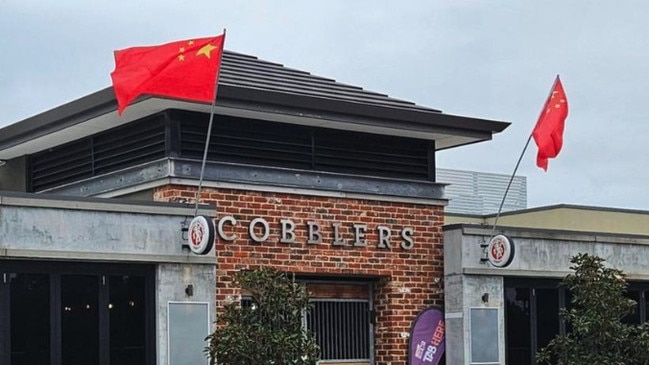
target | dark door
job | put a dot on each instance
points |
(531, 317)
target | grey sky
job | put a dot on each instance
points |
(489, 59)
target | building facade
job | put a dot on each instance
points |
(505, 315)
(94, 281)
(323, 180)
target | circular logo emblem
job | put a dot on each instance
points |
(201, 235)
(500, 251)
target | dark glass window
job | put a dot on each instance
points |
(633, 317)
(532, 314)
(30, 314)
(547, 316)
(127, 320)
(518, 330)
(80, 319)
(76, 314)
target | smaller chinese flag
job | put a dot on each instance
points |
(548, 132)
(185, 69)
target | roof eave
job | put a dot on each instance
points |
(98, 105)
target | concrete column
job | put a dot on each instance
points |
(463, 292)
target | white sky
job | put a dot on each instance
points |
(492, 59)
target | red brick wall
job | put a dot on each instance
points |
(407, 281)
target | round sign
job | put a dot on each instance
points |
(500, 251)
(201, 235)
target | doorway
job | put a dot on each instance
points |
(341, 319)
(531, 317)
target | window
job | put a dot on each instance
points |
(65, 313)
(531, 317)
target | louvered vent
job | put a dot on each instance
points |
(116, 149)
(235, 140)
(370, 154)
(246, 141)
(56, 166)
(265, 143)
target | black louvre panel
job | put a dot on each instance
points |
(113, 150)
(140, 142)
(246, 141)
(266, 143)
(372, 155)
(236, 140)
(60, 165)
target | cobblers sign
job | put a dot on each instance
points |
(259, 231)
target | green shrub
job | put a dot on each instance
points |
(598, 336)
(269, 331)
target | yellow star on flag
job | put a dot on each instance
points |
(205, 50)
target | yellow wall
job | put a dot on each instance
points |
(571, 218)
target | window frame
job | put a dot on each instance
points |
(55, 269)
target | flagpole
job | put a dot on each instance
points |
(209, 128)
(520, 158)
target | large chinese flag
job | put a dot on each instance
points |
(548, 132)
(185, 69)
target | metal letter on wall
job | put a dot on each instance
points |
(219, 228)
(384, 237)
(315, 237)
(265, 229)
(408, 242)
(338, 238)
(288, 228)
(359, 234)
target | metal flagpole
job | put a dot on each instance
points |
(511, 179)
(209, 128)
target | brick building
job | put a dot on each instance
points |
(328, 181)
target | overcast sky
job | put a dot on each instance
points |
(487, 59)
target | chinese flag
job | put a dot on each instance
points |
(548, 132)
(185, 69)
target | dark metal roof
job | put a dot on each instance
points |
(246, 71)
(264, 89)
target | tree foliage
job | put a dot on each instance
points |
(269, 331)
(597, 334)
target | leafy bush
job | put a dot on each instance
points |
(598, 336)
(268, 331)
